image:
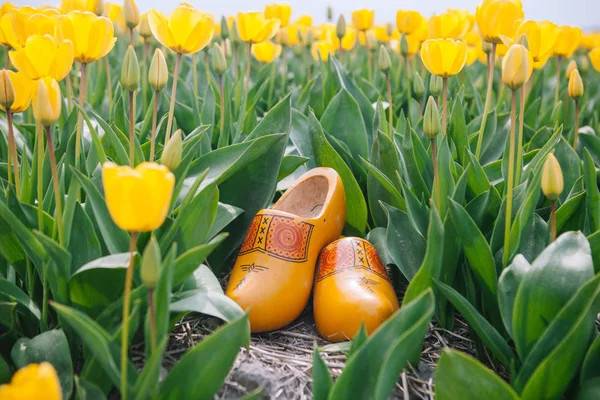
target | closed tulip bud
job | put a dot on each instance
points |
(218, 60)
(171, 155)
(418, 85)
(234, 34)
(47, 101)
(372, 42)
(575, 84)
(151, 263)
(385, 63)
(487, 47)
(436, 85)
(389, 29)
(431, 119)
(517, 66)
(7, 92)
(340, 28)
(570, 68)
(99, 9)
(298, 51)
(224, 28)
(144, 27)
(131, 14)
(329, 13)
(404, 46)
(308, 38)
(130, 71)
(159, 74)
(552, 178)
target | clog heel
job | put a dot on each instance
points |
(273, 275)
(352, 287)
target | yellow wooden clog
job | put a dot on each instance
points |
(352, 287)
(274, 271)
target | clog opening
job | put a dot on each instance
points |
(306, 199)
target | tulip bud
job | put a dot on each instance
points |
(389, 29)
(436, 85)
(575, 84)
(130, 71)
(385, 63)
(144, 27)
(234, 35)
(99, 10)
(151, 263)
(298, 51)
(418, 85)
(403, 46)
(224, 28)
(329, 13)
(131, 14)
(372, 40)
(515, 66)
(552, 178)
(340, 28)
(431, 119)
(522, 40)
(159, 74)
(7, 92)
(46, 101)
(486, 47)
(218, 60)
(171, 155)
(570, 68)
(308, 38)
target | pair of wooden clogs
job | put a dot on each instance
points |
(275, 269)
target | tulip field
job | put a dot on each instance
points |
(143, 154)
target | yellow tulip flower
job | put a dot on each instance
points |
(282, 12)
(517, 66)
(23, 90)
(92, 36)
(594, 56)
(590, 41)
(6, 8)
(114, 12)
(408, 22)
(305, 20)
(475, 53)
(349, 39)
(567, 41)
(322, 49)
(541, 37)
(266, 51)
(254, 27)
(42, 56)
(138, 200)
(575, 84)
(381, 33)
(47, 101)
(465, 15)
(95, 6)
(288, 36)
(131, 14)
(35, 381)
(444, 57)
(186, 31)
(364, 19)
(497, 18)
(144, 28)
(447, 26)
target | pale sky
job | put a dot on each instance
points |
(583, 13)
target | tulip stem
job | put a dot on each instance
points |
(557, 89)
(69, 91)
(236, 60)
(510, 176)
(576, 137)
(390, 105)
(519, 167)
(408, 80)
(195, 76)
(7, 59)
(40, 175)
(284, 74)
(222, 139)
(248, 68)
(131, 36)
(369, 58)
(131, 131)
(488, 99)
(82, 87)
(152, 317)
(56, 184)
(553, 218)
(271, 84)
(341, 53)
(444, 105)
(154, 118)
(206, 70)
(308, 65)
(13, 149)
(173, 95)
(109, 84)
(145, 75)
(436, 178)
(126, 309)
